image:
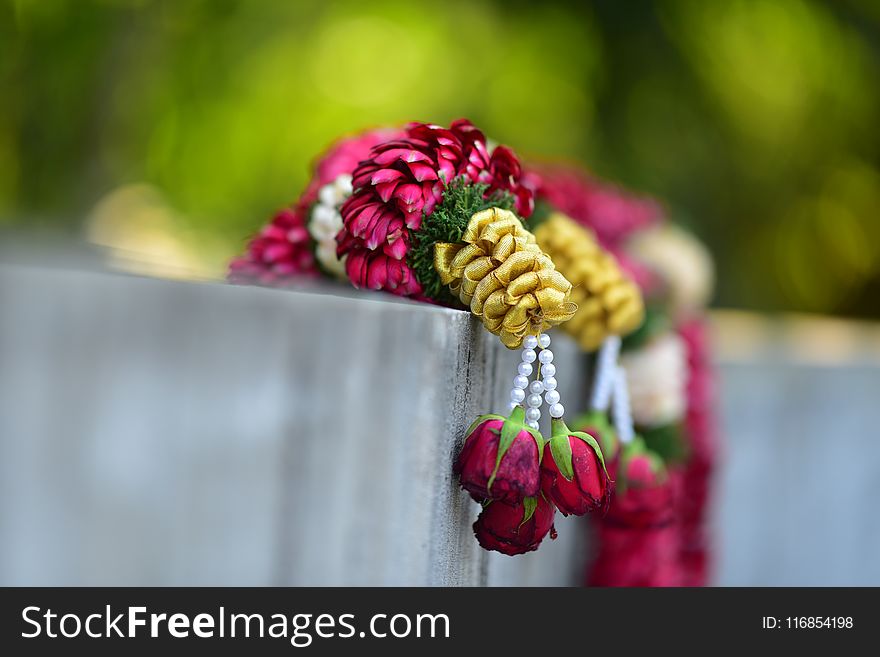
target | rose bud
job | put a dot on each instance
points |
(514, 528)
(639, 538)
(573, 472)
(500, 459)
(646, 494)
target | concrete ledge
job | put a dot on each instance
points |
(158, 432)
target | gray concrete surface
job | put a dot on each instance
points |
(798, 493)
(158, 432)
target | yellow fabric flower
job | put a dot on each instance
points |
(609, 303)
(505, 278)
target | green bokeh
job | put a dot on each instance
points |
(755, 121)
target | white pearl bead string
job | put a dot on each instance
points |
(533, 400)
(528, 394)
(623, 423)
(606, 367)
(521, 380)
(548, 382)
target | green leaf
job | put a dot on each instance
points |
(560, 449)
(529, 506)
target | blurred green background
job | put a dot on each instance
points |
(177, 127)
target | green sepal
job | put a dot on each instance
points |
(513, 425)
(607, 435)
(560, 447)
(529, 506)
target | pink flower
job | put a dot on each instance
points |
(403, 180)
(700, 432)
(281, 251)
(375, 270)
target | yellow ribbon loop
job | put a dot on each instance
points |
(609, 303)
(505, 278)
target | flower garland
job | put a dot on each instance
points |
(654, 532)
(609, 303)
(435, 214)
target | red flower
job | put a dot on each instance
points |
(514, 528)
(635, 557)
(500, 459)
(573, 472)
(281, 251)
(608, 210)
(645, 498)
(695, 551)
(376, 271)
(403, 180)
(639, 537)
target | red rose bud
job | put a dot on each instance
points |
(573, 472)
(500, 459)
(646, 496)
(514, 528)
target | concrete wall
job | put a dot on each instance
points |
(158, 432)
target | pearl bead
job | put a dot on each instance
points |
(511, 406)
(343, 185)
(551, 397)
(544, 340)
(524, 368)
(530, 342)
(529, 355)
(548, 370)
(520, 381)
(327, 195)
(534, 401)
(546, 356)
(550, 383)
(556, 410)
(532, 425)
(536, 387)
(533, 414)
(517, 395)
